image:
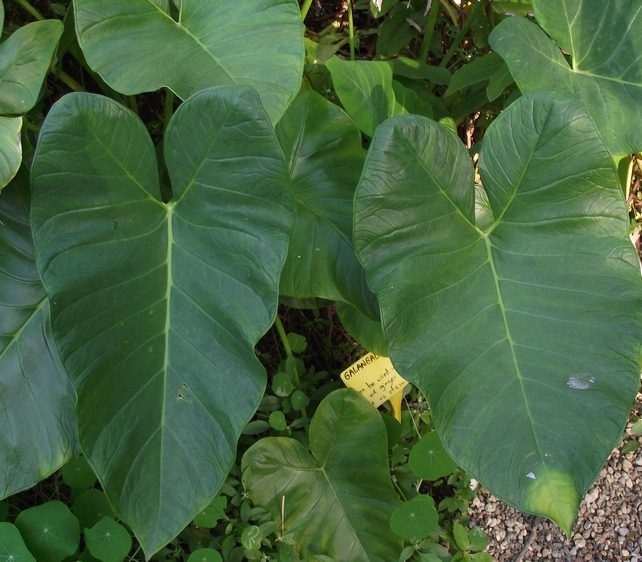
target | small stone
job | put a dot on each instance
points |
(623, 531)
(580, 543)
(625, 553)
(626, 465)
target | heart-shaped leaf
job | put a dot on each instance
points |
(365, 90)
(37, 400)
(136, 46)
(157, 307)
(524, 333)
(24, 62)
(338, 496)
(603, 39)
(323, 150)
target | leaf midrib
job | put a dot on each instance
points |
(196, 40)
(18, 333)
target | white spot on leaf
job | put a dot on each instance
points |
(580, 381)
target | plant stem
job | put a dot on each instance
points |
(412, 418)
(133, 105)
(168, 109)
(460, 36)
(629, 179)
(429, 28)
(31, 9)
(305, 9)
(283, 336)
(452, 14)
(68, 81)
(351, 30)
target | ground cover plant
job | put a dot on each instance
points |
(238, 199)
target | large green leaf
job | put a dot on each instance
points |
(157, 307)
(605, 46)
(36, 398)
(339, 498)
(136, 46)
(365, 90)
(522, 328)
(24, 62)
(323, 152)
(10, 148)
(365, 330)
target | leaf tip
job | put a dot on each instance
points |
(552, 493)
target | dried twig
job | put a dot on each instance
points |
(535, 523)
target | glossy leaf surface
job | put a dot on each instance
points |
(10, 148)
(339, 496)
(24, 62)
(323, 151)
(157, 307)
(365, 90)
(108, 541)
(522, 328)
(136, 46)
(365, 330)
(605, 46)
(50, 530)
(12, 546)
(36, 398)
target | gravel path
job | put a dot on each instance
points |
(608, 528)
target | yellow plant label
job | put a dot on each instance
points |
(375, 378)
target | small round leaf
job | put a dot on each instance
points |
(78, 474)
(415, 519)
(51, 531)
(297, 342)
(282, 385)
(277, 420)
(428, 458)
(299, 400)
(251, 537)
(90, 507)
(12, 547)
(205, 555)
(108, 541)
